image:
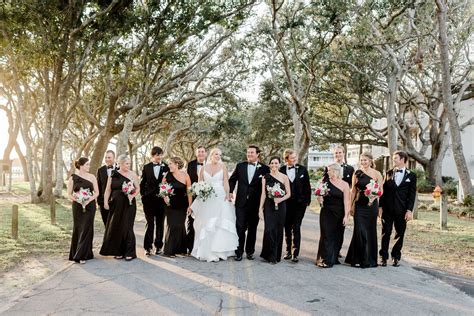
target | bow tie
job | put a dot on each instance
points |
(200, 164)
(252, 164)
(292, 167)
(110, 167)
(401, 171)
(156, 164)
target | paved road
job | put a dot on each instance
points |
(186, 286)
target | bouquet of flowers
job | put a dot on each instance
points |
(82, 196)
(166, 190)
(202, 190)
(321, 189)
(372, 191)
(274, 192)
(128, 189)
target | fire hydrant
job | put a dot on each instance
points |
(437, 193)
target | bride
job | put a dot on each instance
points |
(216, 236)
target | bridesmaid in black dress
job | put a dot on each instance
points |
(363, 248)
(83, 214)
(119, 237)
(177, 207)
(333, 217)
(274, 218)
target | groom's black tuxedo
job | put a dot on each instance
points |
(153, 206)
(296, 207)
(247, 203)
(395, 202)
(192, 170)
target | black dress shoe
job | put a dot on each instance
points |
(383, 263)
(396, 262)
(148, 252)
(250, 257)
(238, 258)
(158, 251)
(287, 256)
(294, 259)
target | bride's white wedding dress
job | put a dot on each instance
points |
(216, 236)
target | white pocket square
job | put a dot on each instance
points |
(407, 180)
(302, 176)
(260, 176)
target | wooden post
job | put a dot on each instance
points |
(15, 221)
(443, 212)
(415, 207)
(53, 209)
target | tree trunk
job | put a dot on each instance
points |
(392, 132)
(99, 150)
(58, 166)
(23, 161)
(456, 140)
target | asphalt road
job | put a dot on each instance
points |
(184, 285)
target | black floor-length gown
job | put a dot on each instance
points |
(83, 223)
(175, 237)
(330, 222)
(119, 237)
(274, 224)
(363, 248)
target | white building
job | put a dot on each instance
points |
(318, 159)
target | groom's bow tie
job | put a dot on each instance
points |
(399, 170)
(252, 164)
(200, 164)
(292, 167)
(155, 164)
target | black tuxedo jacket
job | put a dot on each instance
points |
(347, 174)
(149, 185)
(398, 199)
(102, 178)
(192, 170)
(247, 193)
(300, 187)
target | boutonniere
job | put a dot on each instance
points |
(162, 164)
(408, 171)
(258, 166)
(297, 167)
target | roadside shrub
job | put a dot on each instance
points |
(468, 201)
(450, 187)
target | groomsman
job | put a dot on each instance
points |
(396, 206)
(103, 174)
(194, 167)
(297, 204)
(249, 176)
(153, 206)
(347, 172)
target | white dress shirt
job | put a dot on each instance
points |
(251, 171)
(291, 173)
(399, 176)
(156, 170)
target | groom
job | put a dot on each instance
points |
(249, 176)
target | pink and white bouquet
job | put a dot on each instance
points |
(202, 190)
(166, 190)
(82, 196)
(128, 188)
(274, 192)
(321, 189)
(372, 191)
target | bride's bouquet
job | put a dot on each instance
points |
(372, 191)
(274, 192)
(202, 190)
(82, 196)
(128, 189)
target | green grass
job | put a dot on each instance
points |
(36, 235)
(451, 250)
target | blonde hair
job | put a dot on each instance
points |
(287, 153)
(368, 156)
(213, 150)
(336, 168)
(338, 147)
(122, 158)
(177, 161)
